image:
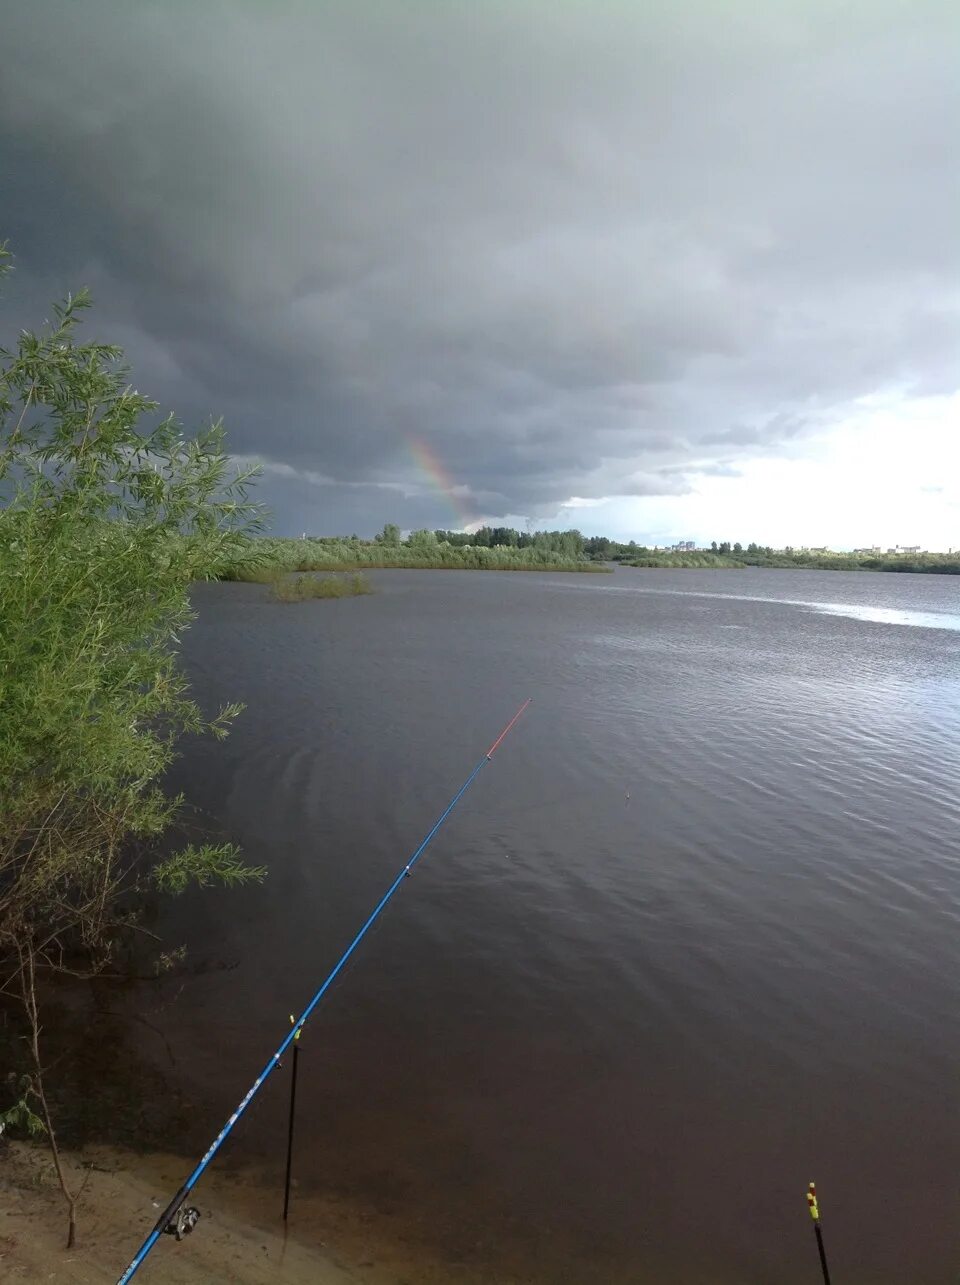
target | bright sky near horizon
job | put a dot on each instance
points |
(889, 475)
(670, 271)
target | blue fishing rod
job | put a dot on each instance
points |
(177, 1219)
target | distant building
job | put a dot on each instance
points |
(908, 548)
(874, 549)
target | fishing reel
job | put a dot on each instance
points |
(183, 1222)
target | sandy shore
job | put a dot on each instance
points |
(122, 1197)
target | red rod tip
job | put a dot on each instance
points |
(508, 727)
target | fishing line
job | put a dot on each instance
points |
(179, 1220)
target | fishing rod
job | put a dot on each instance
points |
(178, 1219)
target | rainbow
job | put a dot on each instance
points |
(436, 472)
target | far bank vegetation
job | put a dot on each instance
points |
(506, 549)
(440, 550)
(725, 554)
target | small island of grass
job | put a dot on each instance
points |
(302, 588)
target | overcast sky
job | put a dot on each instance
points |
(659, 271)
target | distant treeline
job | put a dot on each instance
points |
(759, 555)
(722, 553)
(568, 544)
(506, 549)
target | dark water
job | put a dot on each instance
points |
(692, 938)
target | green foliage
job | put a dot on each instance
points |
(20, 1117)
(203, 865)
(423, 539)
(568, 545)
(942, 564)
(390, 536)
(108, 514)
(251, 573)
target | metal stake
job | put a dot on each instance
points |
(293, 1103)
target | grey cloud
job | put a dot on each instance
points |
(571, 247)
(718, 469)
(640, 484)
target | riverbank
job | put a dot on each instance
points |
(122, 1194)
(238, 1240)
(133, 1115)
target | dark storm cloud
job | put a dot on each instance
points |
(580, 250)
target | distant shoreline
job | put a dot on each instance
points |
(929, 564)
(265, 559)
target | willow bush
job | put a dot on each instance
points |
(107, 514)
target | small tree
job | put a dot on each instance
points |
(108, 515)
(390, 535)
(422, 539)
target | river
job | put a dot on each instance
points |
(691, 939)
